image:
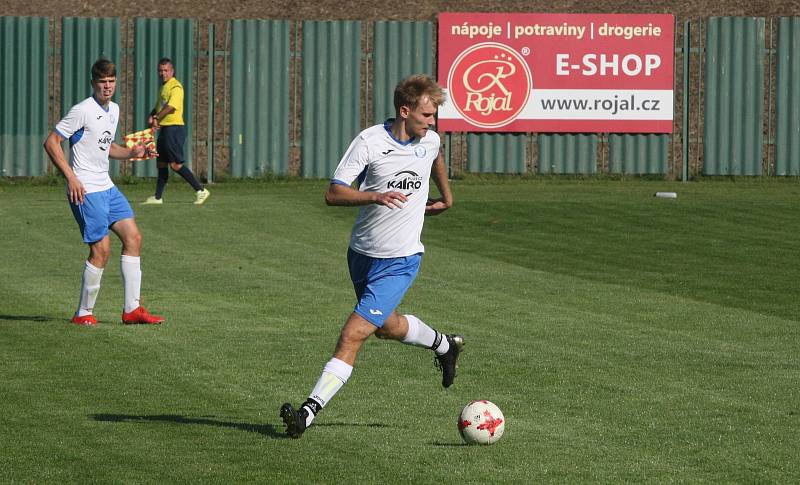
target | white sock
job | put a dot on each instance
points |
(131, 281)
(421, 335)
(334, 376)
(90, 287)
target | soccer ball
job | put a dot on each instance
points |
(481, 422)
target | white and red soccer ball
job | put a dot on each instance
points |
(481, 422)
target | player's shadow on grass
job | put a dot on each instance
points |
(263, 429)
(29, 318)
(362, 425)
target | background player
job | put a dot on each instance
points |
(96, 203)
(393, 163)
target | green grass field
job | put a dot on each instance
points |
(626, 338)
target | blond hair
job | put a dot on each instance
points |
(413, 89)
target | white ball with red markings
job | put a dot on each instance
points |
(481, 422)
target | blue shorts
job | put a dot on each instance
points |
(380, 283)
(99, 211)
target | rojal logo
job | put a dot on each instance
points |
(405, 181)
(489, 84)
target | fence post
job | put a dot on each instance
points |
(685, 135)
(447, 155)
(210, 131)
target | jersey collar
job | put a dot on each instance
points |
(387, 125)
(104, 108)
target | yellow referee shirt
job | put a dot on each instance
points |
(171, 94)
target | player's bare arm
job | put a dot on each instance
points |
(341, 195)
(439, 176)
(75, 189)
(118, 152)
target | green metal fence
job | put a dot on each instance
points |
(331, 93)
(288, 97)
(638, 154)
(156, 39)
(23, 95)
(787, 106)
(259, 95)
(568, 154)
(84, 40)
(497, 152)
(734, 93)
(399, 49)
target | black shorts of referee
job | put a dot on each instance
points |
(170, 143)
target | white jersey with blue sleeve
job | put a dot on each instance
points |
(90, 129)
(381, 163)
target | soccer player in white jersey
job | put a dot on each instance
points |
(96, 203)
(392, 164)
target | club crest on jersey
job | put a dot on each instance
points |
(420, 151)
(105, 140)
(405, 180)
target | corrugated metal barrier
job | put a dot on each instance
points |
(399, 50)
(787, 106)
(23, 95)
(300, 91)
(83, 41)
(734, 96)
(638, 154)
(259, 136)
(497, 152)
(568, 154)
(155, 39)
(331, 93)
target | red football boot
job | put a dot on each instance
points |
(141, 315)
(86, 320)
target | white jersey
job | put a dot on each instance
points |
(381, 163)
(90, 129)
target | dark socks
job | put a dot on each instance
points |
(189, 177)
(163, 177)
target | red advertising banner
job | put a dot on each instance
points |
(562, 73)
